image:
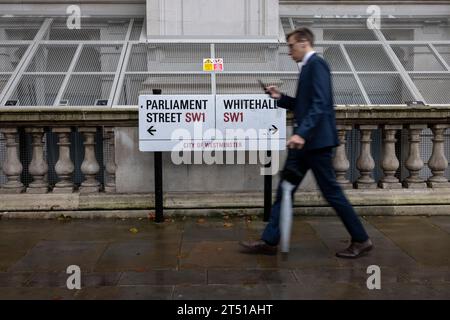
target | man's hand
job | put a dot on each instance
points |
(295, 142)
(273, 92)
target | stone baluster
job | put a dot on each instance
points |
(64, 166)
(90, 166)
(390, 162)
(38, 167)
(414, 162)
(111, 167)
(438, 162)
(365, 162)
(340, 160)
(12, 167)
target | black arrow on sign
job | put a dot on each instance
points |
(151, 130)
(273, 130)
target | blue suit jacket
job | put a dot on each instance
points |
(313, 105)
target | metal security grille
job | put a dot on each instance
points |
(3, 81)
(434, 87)
(168, 57)
(95, 58)
(248, 83)
(137, 29)
(346, 89)
(385, 88)
(10, 56)
(52, 58)
(47, 62)
(94, 87)
(90, 29)
(444, 51)
(19, 29)
(2, 158)
(417, 58)
(136, 84)
(37, 89)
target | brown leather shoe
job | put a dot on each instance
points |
(258, 247)
(356, 250)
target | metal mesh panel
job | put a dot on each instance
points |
(16, 28)
(3, 80)
(168, 57)
(25, 155)
(91, 29)
(286, 25)
(426, 147)
(444, 51)
(346, 90)
(398, 34)
(284, 61)
(385, 88)
(136, 30)
(2, 158)
(434, 88)
(248, 83)
(369, 58)
(136, 84)
(249, 57)
(10, 56)
(84, 90)
(94, 58)
(417, 58)
(37, 90)
(52, 58)
(77, 155)
(334, 56)
(349, 35)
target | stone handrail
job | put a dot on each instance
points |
(364, 118)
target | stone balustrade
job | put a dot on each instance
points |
(390, 120)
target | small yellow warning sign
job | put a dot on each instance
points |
(210, 64)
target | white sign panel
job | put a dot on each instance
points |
(162, 118)
(208, 122)
(254, 119)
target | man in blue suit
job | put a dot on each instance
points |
(310, 147)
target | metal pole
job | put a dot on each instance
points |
(159, 210)
(268, 189)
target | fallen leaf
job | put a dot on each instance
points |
(201, 220)
(134, 230)
(151, 216)
(227, 225)
(226, 217)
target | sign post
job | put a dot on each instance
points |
(184, 123)
(268, 189)
(159, 209)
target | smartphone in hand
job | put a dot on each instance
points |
(263, 86)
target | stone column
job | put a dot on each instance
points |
(365, 162)
(390, 162)
(90, 166)
(38, 167)
(438, 162)
(12, 167)
(64, 166)
(111, 167)
(414, 162)
(340, 160)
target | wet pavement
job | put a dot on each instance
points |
(199, 258)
